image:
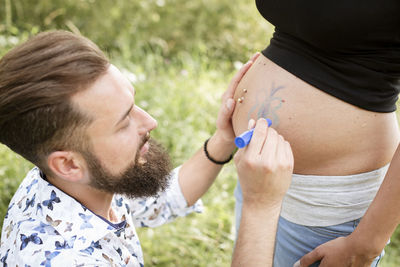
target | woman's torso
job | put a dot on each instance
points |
(328, 136)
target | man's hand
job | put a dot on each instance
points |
(337, 252)
(224, 122)
(265, 166)
(265, 169)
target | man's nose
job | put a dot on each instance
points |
(148, 123)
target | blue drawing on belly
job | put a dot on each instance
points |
(268, 106)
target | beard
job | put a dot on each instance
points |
(145, 177)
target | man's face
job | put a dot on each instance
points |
(120, 158)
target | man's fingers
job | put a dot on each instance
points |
(284, 153)
(311, 257)
(270, 148)
(281, 150)
(289, 152)
(255, 56)
(259, 135)
(251, 124)
(228, 108)
(226, 113)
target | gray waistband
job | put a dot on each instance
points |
(328, 200)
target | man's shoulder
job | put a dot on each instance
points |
(26, 193)
(20, 210)
(25, 206)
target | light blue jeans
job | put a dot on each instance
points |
(293, 241)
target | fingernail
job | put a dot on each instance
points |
(229, 103)
(297, 264)
(251, 124)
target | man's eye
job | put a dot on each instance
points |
(128, 122)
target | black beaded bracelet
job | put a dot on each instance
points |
(213, 160)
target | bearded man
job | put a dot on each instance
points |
(98, 174)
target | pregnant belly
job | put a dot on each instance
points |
(327, 135)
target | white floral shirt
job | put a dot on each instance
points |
(46, 227)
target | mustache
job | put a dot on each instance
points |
(144, 140)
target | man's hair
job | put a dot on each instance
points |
(37, 80)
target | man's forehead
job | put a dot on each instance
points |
(108, 94)
(123, 79)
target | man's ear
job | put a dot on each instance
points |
(67, 165)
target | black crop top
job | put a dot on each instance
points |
(347, 48)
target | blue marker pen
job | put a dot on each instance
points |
(244, 139)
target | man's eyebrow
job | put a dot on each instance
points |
(125, 114)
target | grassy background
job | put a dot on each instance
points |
(180, 56)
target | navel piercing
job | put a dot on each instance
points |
(240, 99)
